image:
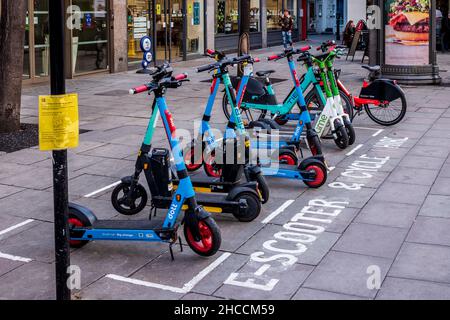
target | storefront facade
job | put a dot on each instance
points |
(103, 35)
(264, 22)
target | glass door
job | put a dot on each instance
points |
(90, 37)
(169, 18)
(176, 30)
(138, 21)
(41, 38)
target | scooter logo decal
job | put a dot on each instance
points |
(173, 210)
(170, 122)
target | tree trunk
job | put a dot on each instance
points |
(244, 31)
(12, 35)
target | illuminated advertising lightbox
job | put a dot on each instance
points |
(407, 32)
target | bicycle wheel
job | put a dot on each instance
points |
(389, 113)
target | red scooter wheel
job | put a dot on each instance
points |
(210, 240)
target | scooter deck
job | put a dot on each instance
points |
(128, 224)
(210, 184)
(214, 203)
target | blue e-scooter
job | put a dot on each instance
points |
(201, 232)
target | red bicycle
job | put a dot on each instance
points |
(383, 100)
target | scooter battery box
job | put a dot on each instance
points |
(160, 164)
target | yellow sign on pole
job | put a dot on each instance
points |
(158, 9)
(58, 122)
(190, 9)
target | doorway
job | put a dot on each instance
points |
(169, 17)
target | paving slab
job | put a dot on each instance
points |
(417, 176)
(390, 214)
(430, 230)
(371, 240)
(110, 289)
(441, 187)
(436, 206)
(283, 290)
(346, 273)
(8, 190)
(422, 262)
(312, 294)
(401, 193)
(422, 162)
(407, 289)
(18, 285)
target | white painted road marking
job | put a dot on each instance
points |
(15, 226)
(102, 189)
(366, 128)
(188, 286)
(14, 258)
(355, 149)
(377, 133)
(278, 211)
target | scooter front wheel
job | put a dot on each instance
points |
(320, 171)
(341, 137)
(253, 207)
(350, 132)
(125, 205)
(210, 236)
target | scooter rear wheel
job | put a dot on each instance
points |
(212, 169)
(189, 159)
(77, 219)
(126, 206)
(253, 209)
(321, 174)
(210, 238)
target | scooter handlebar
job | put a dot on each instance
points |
(139, 89)
(274, 57)
(305, 48)
(180, 77)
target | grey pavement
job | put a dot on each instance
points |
(383, 235)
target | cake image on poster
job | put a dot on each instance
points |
(407, 32)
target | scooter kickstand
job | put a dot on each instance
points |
(171, 252)
(181, 245)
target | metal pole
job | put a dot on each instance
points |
(60, 184)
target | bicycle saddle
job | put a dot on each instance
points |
(265, 73)
(371, 68)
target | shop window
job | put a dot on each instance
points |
(255, 16)
(195, 27)
(274, 12)
(227, 16)
(138, 22)
(89, 39)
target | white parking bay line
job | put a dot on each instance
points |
(14, 258)
(188, 286)
(365, 128)
(15, 226)
(102, 189)
(355, 149)
(377, 133)
(278, 211)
